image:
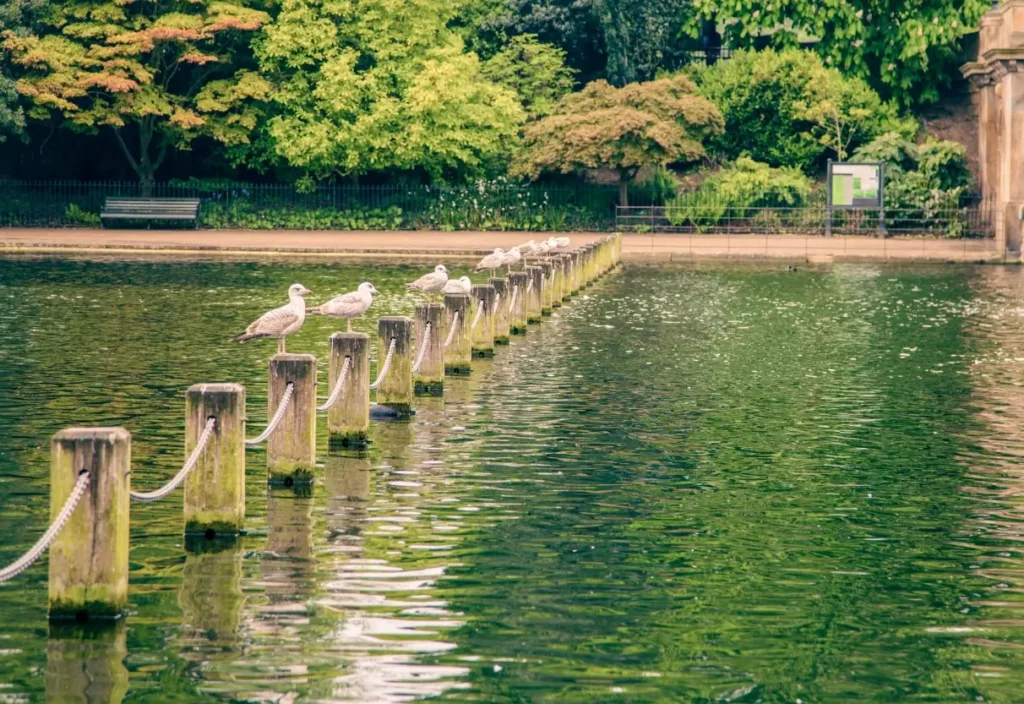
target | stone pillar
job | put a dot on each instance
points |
(429, 379)
(501, 317)
(291, 448)
(348, 420)
(482, 336)
(998, 85)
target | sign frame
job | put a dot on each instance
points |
(878, 203)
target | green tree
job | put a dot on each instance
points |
(157, 74)
(534, 70)
(370, 85)
(15, 15)
(641, 124)
(906, 49)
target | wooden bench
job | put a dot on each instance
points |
(167, 209)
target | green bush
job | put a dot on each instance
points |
(775, 104)
(244, 215)
(78, 217)
(741, 191)
(657, 189)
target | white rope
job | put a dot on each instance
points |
(512, 303)
(529, 286)
(272, 425)
(26, 560)
(451, 333)
(387, 364)
(190, 463)
(336, 392)
(424, 344)
(479, 312)
(497, 300)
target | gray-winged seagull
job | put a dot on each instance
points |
(492, 261)
(459, 285)
(280, 322)
(348, 305)
(431, 283)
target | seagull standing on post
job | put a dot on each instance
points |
(491, 261)
(511, 257)
(459, 285)
(280, 322)
(348, 305)
(431, 283)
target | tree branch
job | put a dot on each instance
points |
(127, 154)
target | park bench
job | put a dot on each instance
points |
(165, 209)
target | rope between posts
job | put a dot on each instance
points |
(190, 463)
(451, 333)
(424, 344)
(336, 391)
(26, 560)
(529, 285)
(272, 425)
(479, 312)
(387, 364)
(512, 303)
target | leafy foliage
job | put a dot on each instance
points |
(535, 71)
(920, 178)
(787, 108)
(15, 17)
(166, 70)
(652, 123)
(908, 49)
(370, 85)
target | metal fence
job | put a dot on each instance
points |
(487, 206)
(970, 221)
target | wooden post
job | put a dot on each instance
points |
(482, 336)
(535, 277)
(566, 276)
(577, 261)
(557, 275)
(589, 264)
(395, 390)
(517, 313)
(348, 420)
(458, 355)
(547, 275)
(291, 448)
(215, 488)
(429, 380)
(501, 316)
(89, 559)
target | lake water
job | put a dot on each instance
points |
(691, 485)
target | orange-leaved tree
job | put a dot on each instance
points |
(158, 73)
(654, 123)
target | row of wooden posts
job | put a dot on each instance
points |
(89, 558)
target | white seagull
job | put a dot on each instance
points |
(348, 305)
(528, 249)
(459, 285)
(511, 257)
(431, 283)
(492, 261)
(280, 322)
(543, 247)
(563, 242)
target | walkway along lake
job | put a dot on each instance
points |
(711, 484)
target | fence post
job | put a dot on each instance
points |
(291, 448)
(348, 420)
(501, 317)
(458, 355)
(395, 390)
(89, 559)
(534, 277)
(517, 313)
(215, 488)
(429, 379)
(482, 336)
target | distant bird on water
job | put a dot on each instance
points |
(280, 322)
(348, 305)
(459, 285)
(492, 261)
(431, 283)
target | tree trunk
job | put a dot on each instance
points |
(623, 191)
(144, 166)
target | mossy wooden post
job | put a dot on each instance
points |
(517, 313)
(89, 559)
(291, 448)
(547, 278)
(348, 420)
(557, 276)
(429, 379)
(395, 390)
(482, 336)
(589, 265)
(501, 317)
(215, 488)
(566, 276)
(458, 356)
(577, 261)
(535, 277)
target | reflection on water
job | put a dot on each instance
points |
(711, 484)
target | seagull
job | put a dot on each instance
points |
(280, 322)
(511, 257)
(528, 249)
(348, 305)
(459, 285)
(563, 242)
(433, 282)
(543, 247)
(552, 243)
(491, 261)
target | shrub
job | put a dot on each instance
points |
(76, 216)
(779, 107)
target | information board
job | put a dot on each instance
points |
(855, 185)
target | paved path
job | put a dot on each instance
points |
(656, 248)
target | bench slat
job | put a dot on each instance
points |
(150, 209)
